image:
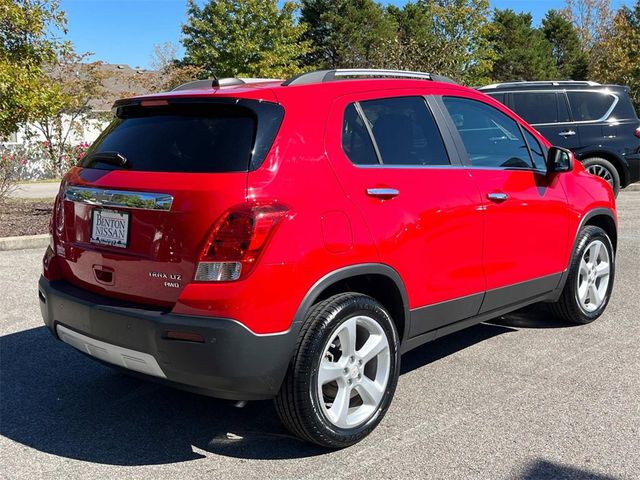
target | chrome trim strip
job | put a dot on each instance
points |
(123, 357)
(118, 198)
(542, 83)
(384, 192)
(345, 72)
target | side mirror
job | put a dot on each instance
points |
(559, 160)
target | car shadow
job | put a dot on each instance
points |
(534, 316)
(55, 400)
(545, 469)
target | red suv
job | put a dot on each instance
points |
(290, 240)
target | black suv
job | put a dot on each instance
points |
(597, 122)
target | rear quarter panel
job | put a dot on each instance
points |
(322, 232)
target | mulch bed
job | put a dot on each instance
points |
(24, 217)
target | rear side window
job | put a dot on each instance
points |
(589, 106)
(404, 131)
(491, 138)
(624, 108)
(356, 141)
(198, 138)
(537, 107)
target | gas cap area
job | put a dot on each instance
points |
(336, 231)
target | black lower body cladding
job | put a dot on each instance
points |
(231, 362)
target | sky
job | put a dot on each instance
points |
(125, 31)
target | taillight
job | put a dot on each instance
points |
(638, 132)
(236, 241)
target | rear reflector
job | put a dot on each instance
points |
(187, 336)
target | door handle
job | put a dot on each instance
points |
(567, 133)
(383, 193)
(497, 196)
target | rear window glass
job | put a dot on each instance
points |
(405, 131)
(537, 107)
(356, 141)
(185, 138)
(587, 106)
(624, 108)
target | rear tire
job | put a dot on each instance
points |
(590, 278)
(343, 375)
(604, 169)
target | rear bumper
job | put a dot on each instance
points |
(633, 161)
(232, 363)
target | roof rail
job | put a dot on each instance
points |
(553, 83)
(219, 82)
(322, 76)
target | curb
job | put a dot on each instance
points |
(24, 242)
(634, 187)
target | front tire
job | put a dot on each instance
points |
(343, 375)
(604, 169)
(590, 278)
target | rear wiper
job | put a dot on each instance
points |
(112, 158)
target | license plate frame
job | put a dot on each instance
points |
(114, 227)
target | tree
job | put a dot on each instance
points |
(571, 60)
(633, 15)
(523, 52)
(448, 37)
(592, 19)
(616, 58)
(251, 38)
(169, 71)
(26, 46)
(78, 82)
(346, 33)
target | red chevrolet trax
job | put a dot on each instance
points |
(251, 239)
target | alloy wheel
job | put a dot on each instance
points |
(593, 276)
(601, 171)
(354, 372)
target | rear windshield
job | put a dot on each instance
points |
(180, 138)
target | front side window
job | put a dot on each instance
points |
(538, 154)
(403, 131)
(498, 96)
(589, 106)
(491, 138)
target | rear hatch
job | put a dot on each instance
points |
(132, 218)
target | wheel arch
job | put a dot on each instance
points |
(605, 219)
(601, 217)
(612, 157)
(374, 279)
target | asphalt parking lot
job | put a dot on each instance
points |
(524, 397)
